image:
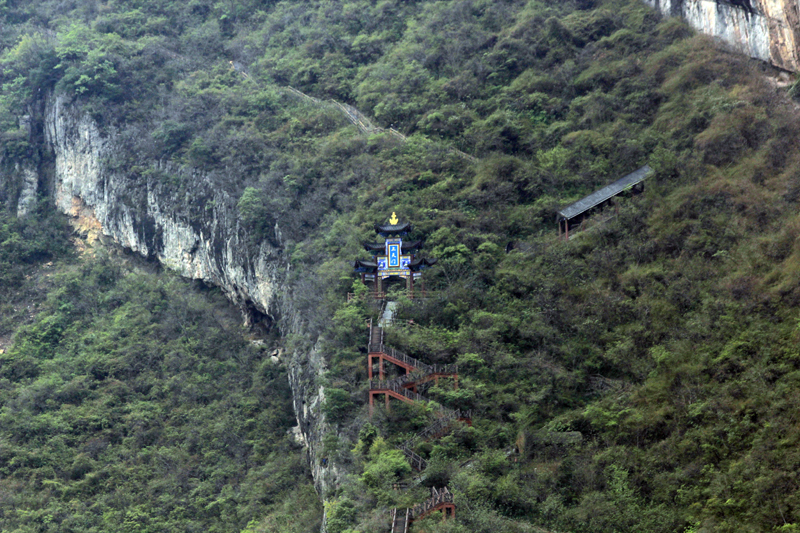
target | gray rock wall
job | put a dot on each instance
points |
(768, 30)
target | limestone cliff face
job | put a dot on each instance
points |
(764, 29)
(195, 232)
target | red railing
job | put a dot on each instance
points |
(410, 361)
(438, 497)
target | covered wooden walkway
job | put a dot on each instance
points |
(575, 214)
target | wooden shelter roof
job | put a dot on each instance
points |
(600, 196)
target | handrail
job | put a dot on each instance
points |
(405, 521)
(417, 462)
(384, 385)
(438, 497)
(440, 424)
(417, 376)
(407, 359)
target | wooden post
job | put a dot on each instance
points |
(386, 395)
(566, 226)
(380, 367)
(449, 512)
(369, 366)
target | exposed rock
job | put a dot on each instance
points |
(763, 29)
(196, 232)
(297, 434)
(84, 221)
(30, 186)
(276, 356)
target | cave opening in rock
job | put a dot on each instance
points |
(255, 319)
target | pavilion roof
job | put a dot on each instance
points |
(359, 265)
(421, 262)
(400, 228)
(600, 196)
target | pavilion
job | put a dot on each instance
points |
(393, 258)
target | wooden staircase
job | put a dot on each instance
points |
(377, 349)
(405, 388)
(416, 372)
(401, 520)
(440, 500)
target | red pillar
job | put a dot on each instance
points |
(369, 366)
(380, 367)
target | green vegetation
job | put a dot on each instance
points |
(133, 403)
(24, 245)
(638, 378)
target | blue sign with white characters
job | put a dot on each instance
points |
(394, 263)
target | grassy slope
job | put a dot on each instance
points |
(685, 304)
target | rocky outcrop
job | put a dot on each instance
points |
(193, 229)
(30, 187)
(764, 29)
(195, 232)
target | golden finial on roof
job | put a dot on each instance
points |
(394, 220)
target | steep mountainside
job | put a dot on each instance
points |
(635, 378)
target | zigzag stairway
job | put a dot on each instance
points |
(406, 389)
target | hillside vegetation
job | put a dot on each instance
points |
(665, 339)
(133, 402)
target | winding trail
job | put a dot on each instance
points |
(362, 122)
